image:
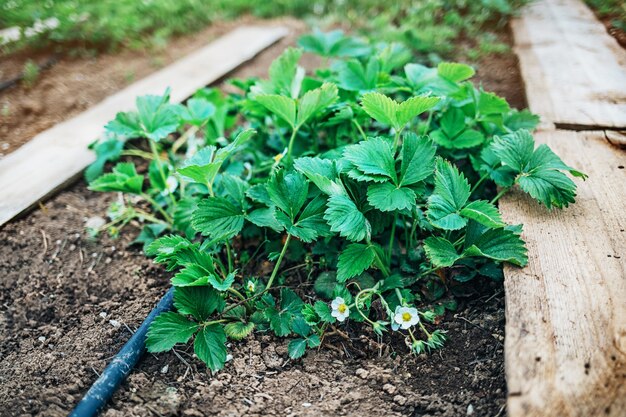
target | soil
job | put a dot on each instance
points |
(68, 303)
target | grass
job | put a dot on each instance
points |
(432, 28)
(614, 9)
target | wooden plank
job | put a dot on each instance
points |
(575, 72)
(565, 346)
(55, 156)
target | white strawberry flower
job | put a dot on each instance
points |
(405, 317)
(251, 286)
(340, 309)
(171, 183)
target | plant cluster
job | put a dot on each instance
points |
(371, 179)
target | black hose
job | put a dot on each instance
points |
(13, 81)
(121, 365)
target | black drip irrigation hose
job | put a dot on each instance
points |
(121, 365)
(42, 67)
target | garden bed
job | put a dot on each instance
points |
(59, 283)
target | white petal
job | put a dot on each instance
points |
(337, 302)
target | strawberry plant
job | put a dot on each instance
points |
(375, 179)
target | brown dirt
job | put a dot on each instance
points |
(77, 83)
(68, 303)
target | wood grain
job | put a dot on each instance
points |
(574, 71)
(57, 155)
(565, 345)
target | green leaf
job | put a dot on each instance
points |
(167, 248)
(197, 111)
(299, 327)
(412, 108)
(440, 251)
(281, 106)
(388, 197)
(222, 284)
(107, 150)
(191, 275)
(238, 330)
(288, 192)
(515, 150)
(321, 172)
(296, 348)
(217, 217)
(373, 156)
(352, 75)
(484, 213)
(325, 284)
(123, 178)
(202, 166)
(199, 302)
(333, 44)
(314, 102)
(387, 111)
(355, 259)
(210, 346)
(344, 217)
(265, 217)
(500, 245)
(167, 330)
(450, 196)
(323, 310)
(455, 72)
(418, 159)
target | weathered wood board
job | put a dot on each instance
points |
(58, 154)
(574, 71)
(565, 346)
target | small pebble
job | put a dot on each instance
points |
(306, 405)
(165, 369)
(362, 373)
(41, 339)
(389, 389)
(399, 399)
(470, 410)
(103, 315)
(115, 323)
(229, 357)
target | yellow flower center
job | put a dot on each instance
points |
(342, 308)
(406, 316)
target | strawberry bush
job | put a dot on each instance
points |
(362, 192)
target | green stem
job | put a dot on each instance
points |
(290, 146)
(430, 118)
(360, 129)
(379, 262)
(399, 295)
(356, 305)
(230, 257)
(480, 181)
(396, 141)
(159, 163)
(208, 323)
(280, 259)
(500, 194)
(158, 207)
(424, 329)
(151, 218)
(393, 234)
(139, 153)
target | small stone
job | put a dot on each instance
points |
(103, 315)
(192, 412)
(306, 405)
(95, 222)
(229, 357)
(399, 399)
(362, 373)
(41, 339)
(165, 369)
(389, 389)
(470, 410)
(115, 323)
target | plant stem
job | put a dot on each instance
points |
(396, 141)
(393, 234)
(184, 137)
(480, 181)
(139, 153)
(159, 163)
(424, 329)
(280, 259)
(399, 295)
(290, 146)
(500, 194)
(381, 264)
(158, 207)
(430, 118)
(360, 129)
(230, 257)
